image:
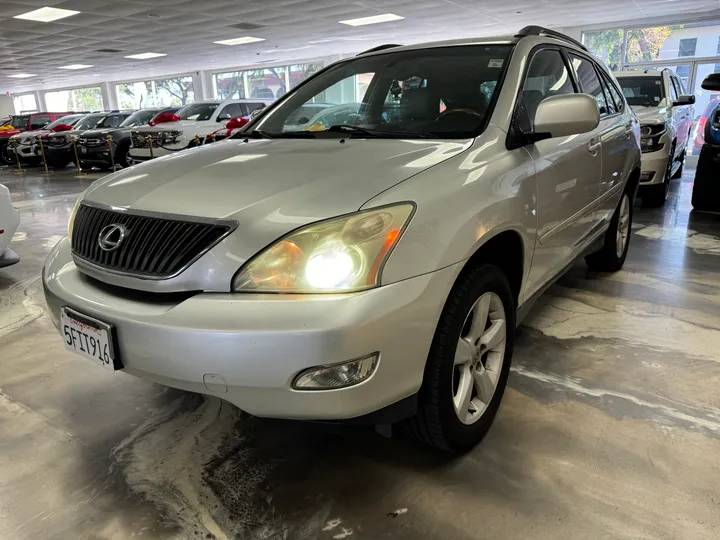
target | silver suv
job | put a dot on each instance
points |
(666, 117)
(372, 270)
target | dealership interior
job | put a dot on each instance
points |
(242, 267)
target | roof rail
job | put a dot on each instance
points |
(380, 48)
(541, 31)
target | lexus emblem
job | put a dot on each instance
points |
(111, 237)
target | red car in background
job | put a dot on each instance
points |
(702, 121)
(21, 123)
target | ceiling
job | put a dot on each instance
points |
(292, 29)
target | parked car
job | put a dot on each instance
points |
(197, 120)
(699, 135)
(9, 221)
(22, 123)
(373, 271)
(93, 146)
(348, 113)
(666, 113)
(26, 143)
(706, 188)
(59, 146)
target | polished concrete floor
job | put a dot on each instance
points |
(610, 428)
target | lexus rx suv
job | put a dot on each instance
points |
(666, 116)
(373, 271)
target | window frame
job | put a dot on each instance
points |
(516, 138)
(672, 88)
(678, 85)
(596, 69)
(617, 94)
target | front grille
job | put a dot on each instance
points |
(91, 141)
(153, 247)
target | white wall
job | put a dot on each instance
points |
(6, 106)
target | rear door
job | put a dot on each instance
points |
(568, 170)
(684, 116)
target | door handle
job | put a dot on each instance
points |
(594, 147)
(628, 129)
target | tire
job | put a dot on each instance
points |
(436, 422)
(655, 196)
(5, 159)
(121, 154)
(611, 257)
(681, 168)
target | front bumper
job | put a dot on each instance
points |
(26, 152)
(654, 166)
(95, 155)
(255, 344)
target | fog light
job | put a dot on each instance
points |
(647, 176)
(337, 375)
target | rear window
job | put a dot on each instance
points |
(642, 91)
(20, 122)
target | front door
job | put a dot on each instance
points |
(568, 171)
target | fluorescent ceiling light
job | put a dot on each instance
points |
(375, 19)
(76, 66)
(22, 75)
(146, 55)
(46, 14)
(239, 41)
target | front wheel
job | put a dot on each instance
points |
(617, 239)
(469, 361)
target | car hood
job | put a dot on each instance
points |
(32, 133)
(103, 132)
(183, 125)
(288, 182)
(650, 115)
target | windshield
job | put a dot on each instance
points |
(69, 120)
(441, 92)
(642, 91)
(89, 122)
(20, 122)
(139, 118)
(198, 111)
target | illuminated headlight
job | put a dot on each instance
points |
(337, 375)
(343, 254)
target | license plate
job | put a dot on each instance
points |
(90, 338)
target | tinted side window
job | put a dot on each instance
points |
(611, 107)
(589, 82)
(547, 76)
(233, 109)
(617, 96)
(39, 121)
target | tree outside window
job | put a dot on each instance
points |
(176, 91)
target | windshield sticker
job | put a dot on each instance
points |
(495, 63)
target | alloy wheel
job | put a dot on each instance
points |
(479, 358)
(623, 228)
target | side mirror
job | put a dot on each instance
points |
(224, 117)
(684, 100)
(712, 82)
(565, 115)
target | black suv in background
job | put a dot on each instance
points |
(93, 146)
(58, 146)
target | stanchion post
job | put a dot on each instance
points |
(19, 169)
(79, 172)
(197, 140)
(150, 145)
(42, 152)
(112, 152)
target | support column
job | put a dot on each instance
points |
(40, 101)
(109, 96)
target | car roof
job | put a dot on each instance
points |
(645, 73)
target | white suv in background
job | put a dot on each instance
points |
(666, 116)
(198, 119)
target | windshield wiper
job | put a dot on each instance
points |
(357, 130)
(256, 134)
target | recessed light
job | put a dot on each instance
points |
(239, 41)
(46, 14)
(375, 19)
(22, 75)
(146, 55)
(76, 66)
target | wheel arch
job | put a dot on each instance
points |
(505, 250)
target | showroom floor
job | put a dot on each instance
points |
(610, 427)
